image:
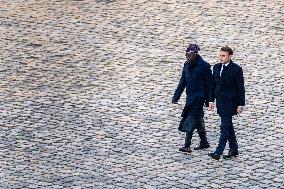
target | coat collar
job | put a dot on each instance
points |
(230, 64)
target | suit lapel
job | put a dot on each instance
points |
(230, 65)
(226, 71)
(222, 75)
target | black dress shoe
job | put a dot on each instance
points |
(214, 155)
(184, 149)
(231, 154)
(200, 147)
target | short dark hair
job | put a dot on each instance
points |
(227, 49)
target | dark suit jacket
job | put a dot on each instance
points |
(228, 89)
(197, 80)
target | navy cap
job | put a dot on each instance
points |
(192, 48)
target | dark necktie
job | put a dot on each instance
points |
(222, 68)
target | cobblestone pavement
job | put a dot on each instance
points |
(86, 88)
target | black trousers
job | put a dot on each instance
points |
(227, 133)
(188, 124)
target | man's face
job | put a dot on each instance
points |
(224, 57)
(190, 56)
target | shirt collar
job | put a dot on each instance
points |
(226, 64)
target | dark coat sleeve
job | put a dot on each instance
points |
(241, 87)
(180, 87)
(209, 83)
(213, 87)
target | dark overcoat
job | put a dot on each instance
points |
(197, 79)
(228, 89)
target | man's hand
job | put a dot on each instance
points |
(206, 104)
(211, 106)
(240, 109)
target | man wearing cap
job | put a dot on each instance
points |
(197, 79)
(229, 91)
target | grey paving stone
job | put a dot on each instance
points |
(86, 86)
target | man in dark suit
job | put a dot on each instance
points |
(229, 91)
(197, 79)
